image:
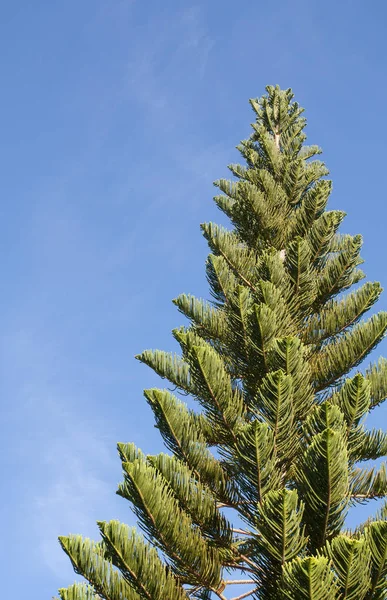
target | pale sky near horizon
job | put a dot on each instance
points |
(116, 117)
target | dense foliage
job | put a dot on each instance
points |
(251, 499)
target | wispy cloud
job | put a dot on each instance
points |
(70, 463)
(76, 492)
(179, 45)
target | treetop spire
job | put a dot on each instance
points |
(260, 476)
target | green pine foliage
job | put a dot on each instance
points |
(258, 480)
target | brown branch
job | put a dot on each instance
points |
(238, 581)
(242, 531)
(244, 595)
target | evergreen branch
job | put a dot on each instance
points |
(309, 579)
(377, 377)
(168, 366)
(241, 531)
(240, 259)
(78, 591)
(298, 261)
(238, 581)
(308, 174)
(290, 356)
(322, 232)
(353, 399)
(376, 538)
(281, 536)
(218, 593)
(254, 566)
(275, 405)
(238, 313)
(351, 561)
(208, 319)
(251, 210)
(139, 563)
(88, 560)
(221, 279)
(171, 528)
(194, 498)
(373, 445)
(184, 437)
(264, 331)
(313, 204)
(335, 317)
(175, 422)
(339, 357)
(256, 469)
(368, 483)
(338, 272)
(323, 483)
(277, 300)
(213, 388)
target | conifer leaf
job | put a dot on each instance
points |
(88, 559)
(184, 437)
(309, 579)
(310, 174)
(323, 485)
(274, 298)
(377, 376)
(129, 452)
(274, 404)
(298, 261)
(373, 445)
(174, 420)
(221, 279)
(250, 211)
(313, 204)
(239, 258)
(351, 561)
(376, 538)
(213, 388)
(340, 356)
(336, 316)
(366, 484)
(339, 271)
(239, 313)
(139, 563)
(321, 233)
(322, 417)
(209, 321)
(168, 366)
(188, 338)
(194, 497)
(169, 527)
(273, 269)
(257, 472)
(353, 399)
(225, 203)
(263, 333)
(289, 355)
(269, 157)
(307, 152)
(281, 537)
(79, 591)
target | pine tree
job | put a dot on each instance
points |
(256, 487)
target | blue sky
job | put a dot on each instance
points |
(116, 117)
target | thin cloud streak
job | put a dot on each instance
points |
(76, 494)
